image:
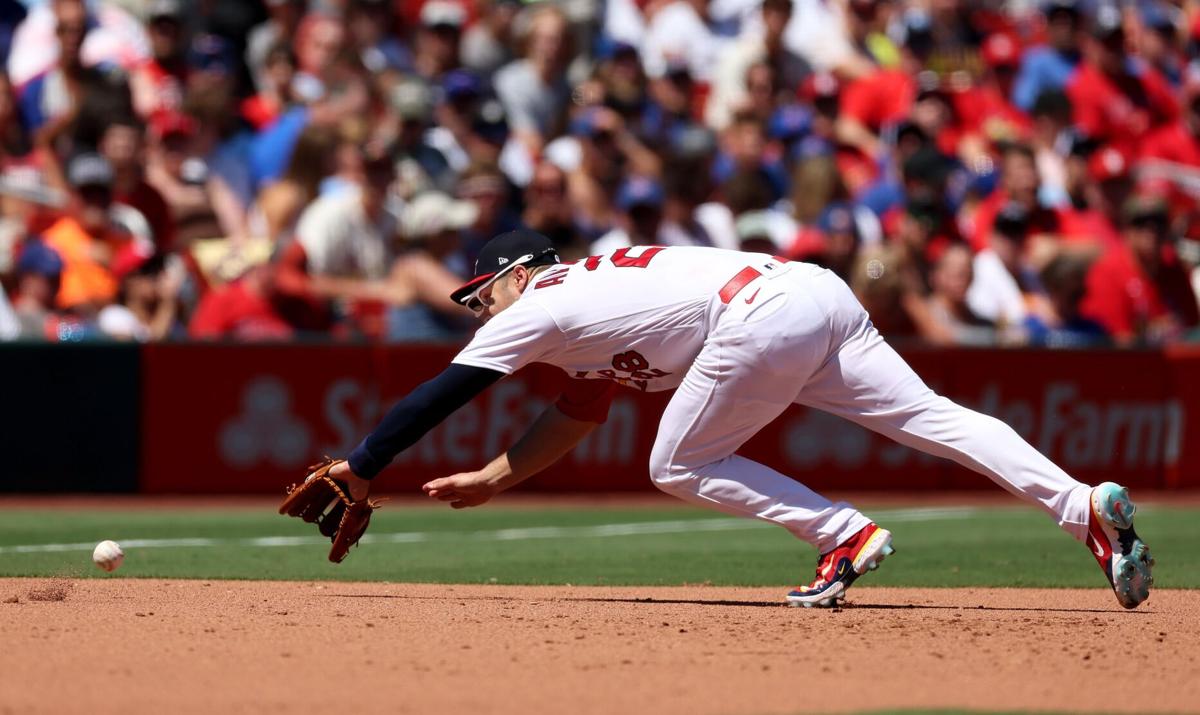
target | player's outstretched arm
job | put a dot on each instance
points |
(420, 411)
(551, 436)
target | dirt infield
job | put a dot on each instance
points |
(146, 646)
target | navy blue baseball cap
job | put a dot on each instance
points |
(607, 48)
(639, 191)
(461, 84)
(211, 53)
(838, 217)
(499, 256)
(39, 259)
(790, 122)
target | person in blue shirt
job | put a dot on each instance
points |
(1049, 67)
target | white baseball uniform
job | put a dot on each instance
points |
(741, 336)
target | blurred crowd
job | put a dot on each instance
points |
(981, 173)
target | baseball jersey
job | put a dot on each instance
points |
(638, 316)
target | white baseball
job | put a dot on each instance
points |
(108, 555)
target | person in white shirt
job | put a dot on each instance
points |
(739, 337)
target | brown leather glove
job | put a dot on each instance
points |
(322, 500)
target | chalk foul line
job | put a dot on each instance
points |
(677, 526)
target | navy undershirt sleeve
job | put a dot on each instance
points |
(423, 409)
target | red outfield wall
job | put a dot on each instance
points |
(249, 419)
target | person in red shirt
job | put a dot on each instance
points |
(984, 109)
(1117, 98)
(1019, 184)
(240, 310)
(1171, 153)
(869, 103)
(1098, 182)
(158, 84)
(1139, 290)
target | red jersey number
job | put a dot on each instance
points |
(621, 258)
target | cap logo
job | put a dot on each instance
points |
(502, 260)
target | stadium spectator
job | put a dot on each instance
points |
(1158, 39)
(1048, 68)
(548, 212)
(1117, 98)
(371, 24)
(952, 322)
(685, 189)
(343, 247)
(607, 151)
(158, 84)
(320, 39)
(670, 108)
(766, 49)
(176, 169)
(1064, 326)
(640, 218)
(1019, 184)
(836, 242)
(487, 44)
(678, 31)
(274, 88)
(485, 186)
(436, 48)
(38, 275)
(277, 30)
(1096, 180)
(1139, 291)
(618, 80)
(52, 99)
(533, 89)
(104, 33)
(432, 229)
(122, 145)
(240, 310)
(1170, 154)
(744, 150)
(463, 94)
(87, 239)
(1005, 288)
(281, 202)
(147, 303)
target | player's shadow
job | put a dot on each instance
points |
(848, 606)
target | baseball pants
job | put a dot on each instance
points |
(803, 338)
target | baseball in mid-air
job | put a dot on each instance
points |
(108, 555)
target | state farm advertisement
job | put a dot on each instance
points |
(249, 419)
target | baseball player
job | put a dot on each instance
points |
(739, 337)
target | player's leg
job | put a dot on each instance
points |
(730, 393)
(867, 382)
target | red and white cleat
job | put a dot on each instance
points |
(839, 568)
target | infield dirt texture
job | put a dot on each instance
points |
(129, 643)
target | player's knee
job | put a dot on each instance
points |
(665, 474)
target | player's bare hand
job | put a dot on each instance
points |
(462, 490)
(359, 488)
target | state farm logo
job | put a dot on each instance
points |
(266, 430)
